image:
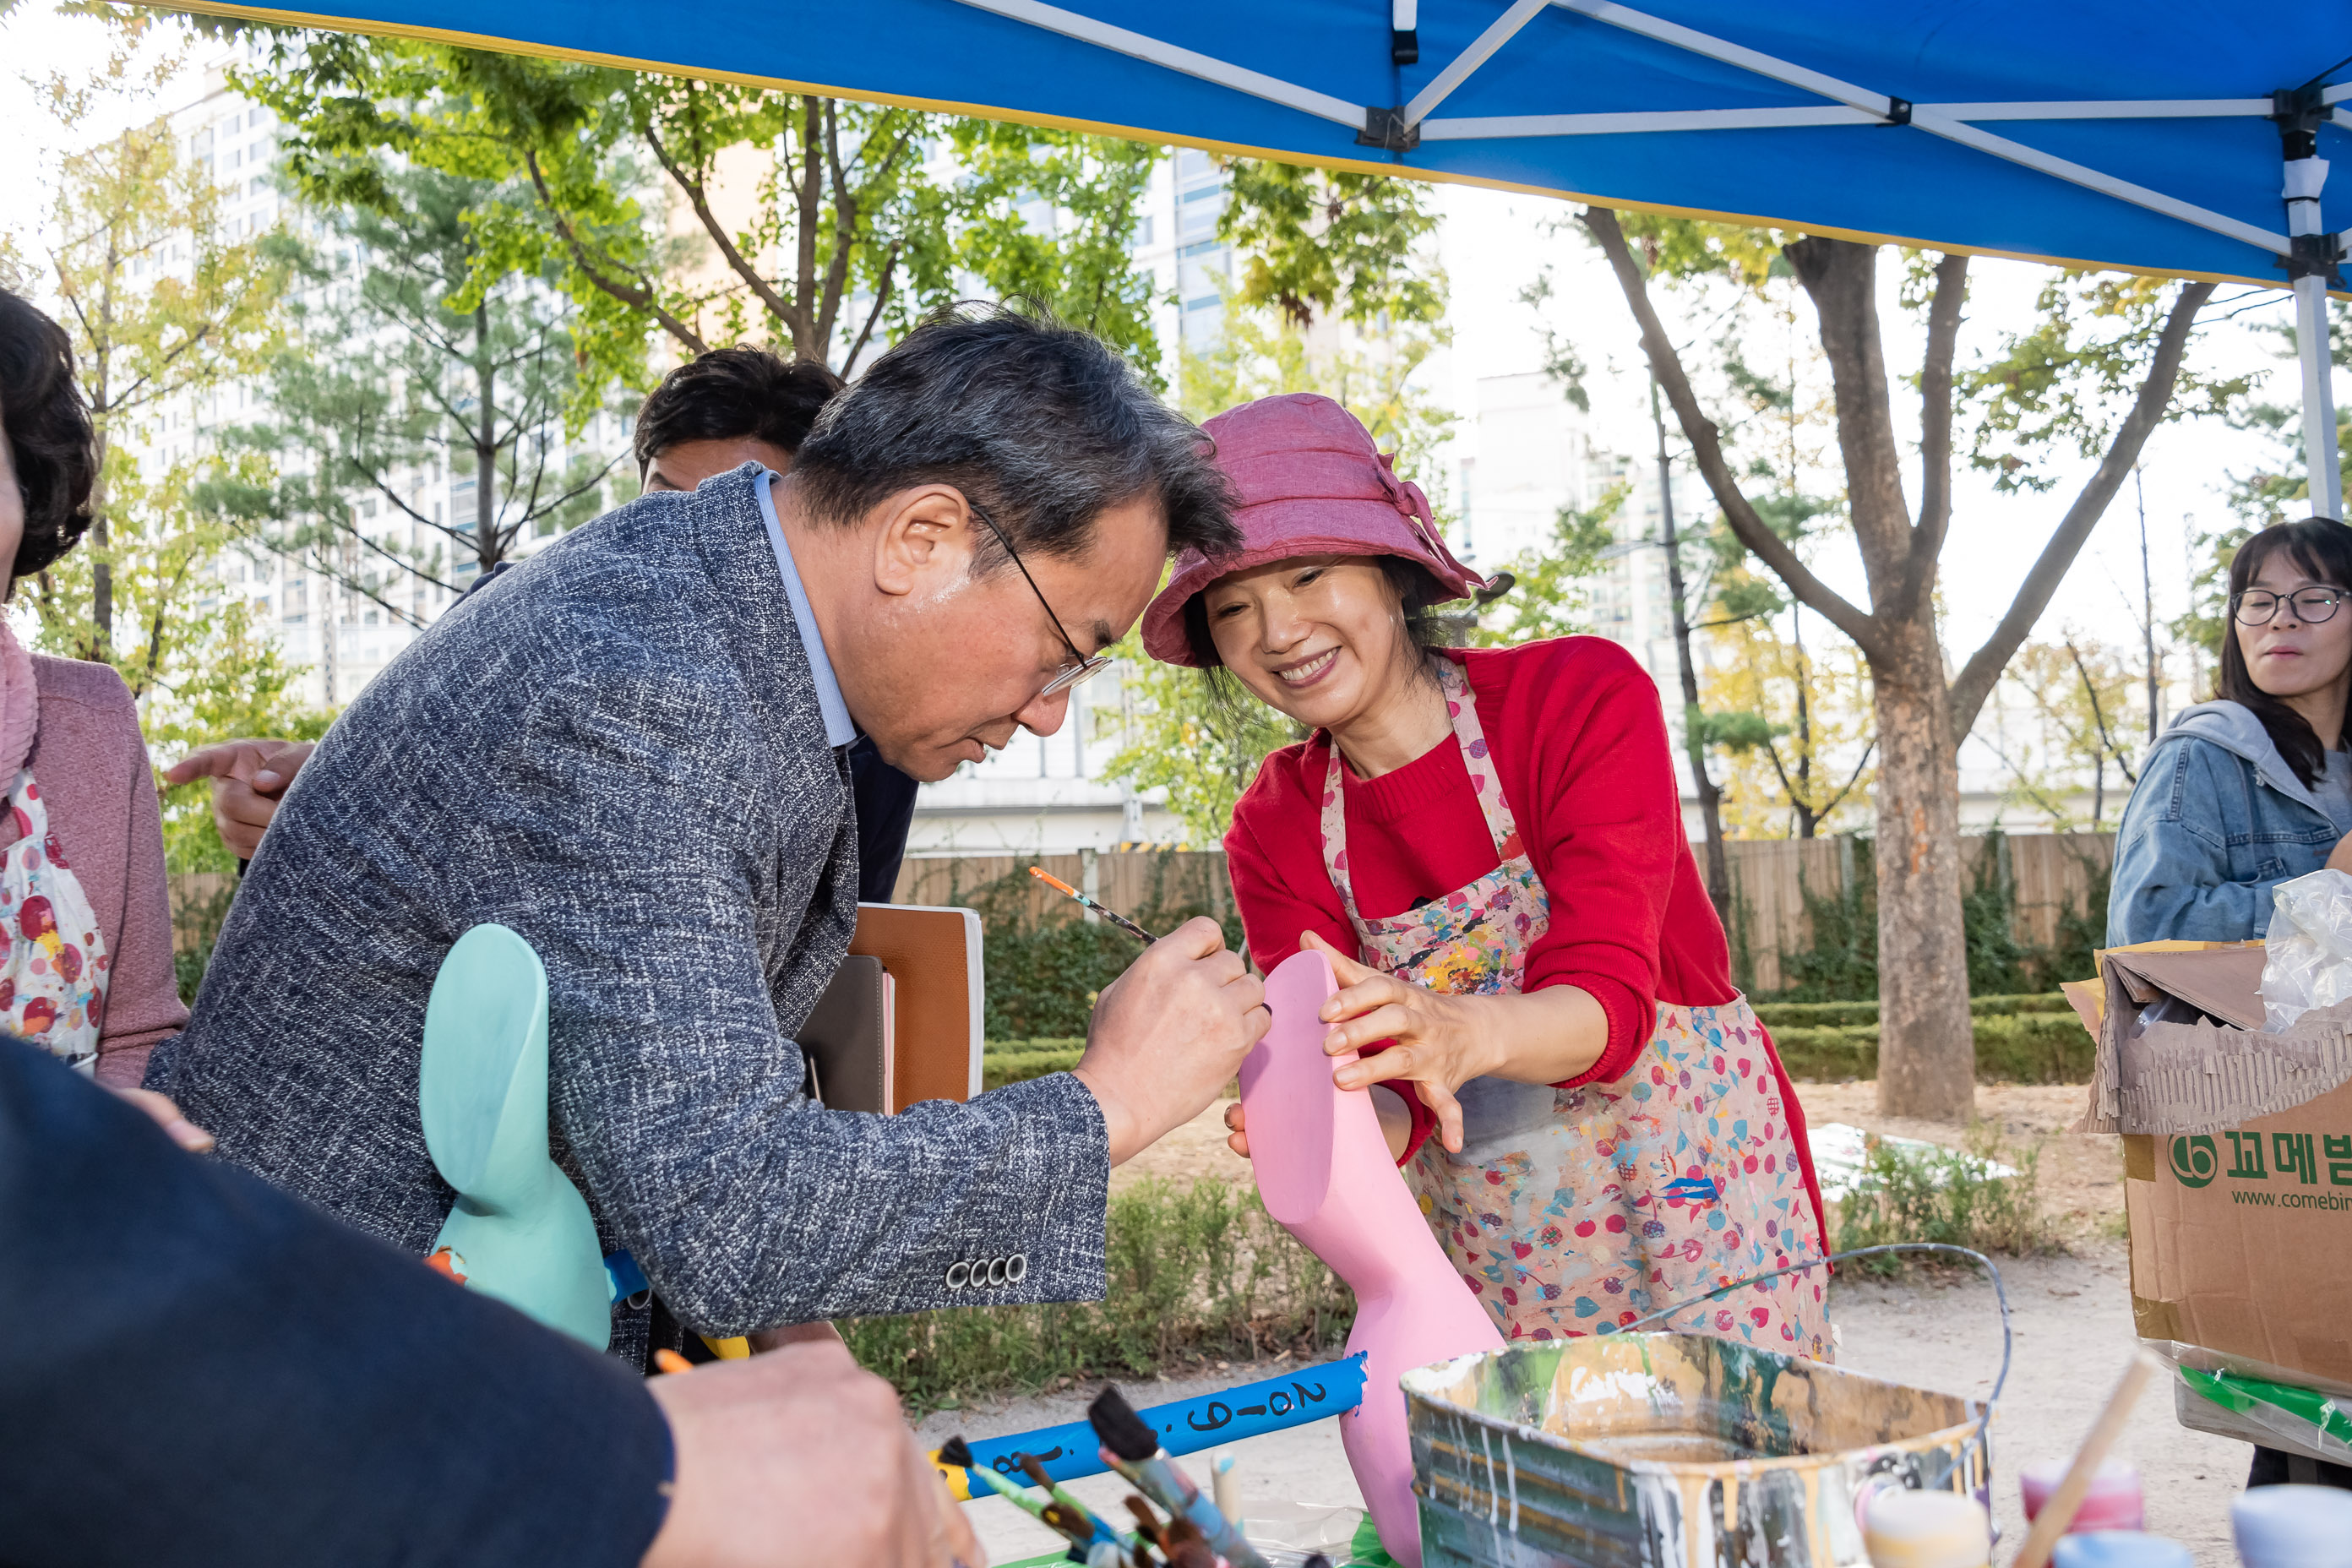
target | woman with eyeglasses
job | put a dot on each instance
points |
(2242, 792)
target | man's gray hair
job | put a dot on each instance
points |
(1040, 425)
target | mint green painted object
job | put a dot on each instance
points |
(520, 1230)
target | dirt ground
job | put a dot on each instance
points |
(2072, 1327)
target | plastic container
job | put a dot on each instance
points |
(2114, 1502)
(2118, 1549)
(1928, 1530)
(2293, 1527)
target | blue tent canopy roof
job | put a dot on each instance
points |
(1864, 177)
(2125, 133)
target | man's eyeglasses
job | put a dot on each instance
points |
(1080, 667)
(2255, 606)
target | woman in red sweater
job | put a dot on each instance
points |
(1490, 845)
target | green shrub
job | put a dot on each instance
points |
(2011, 1048)
(1943, 1194)
(1193, 1273)
(998, 1069)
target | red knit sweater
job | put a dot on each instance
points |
(1579, 743)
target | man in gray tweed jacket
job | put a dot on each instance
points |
(631, 749)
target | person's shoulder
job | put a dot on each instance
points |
(1556, 669)
(94, 689)
(1283, 786)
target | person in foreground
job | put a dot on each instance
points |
(713, 414)
(630, 750)
(87, 972)
(2251, 789)
(1489, 847)
(272, 1387)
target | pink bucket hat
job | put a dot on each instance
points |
(1311, 483)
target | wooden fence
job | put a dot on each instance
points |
(2051, 873)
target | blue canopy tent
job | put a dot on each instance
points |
(2154, 136)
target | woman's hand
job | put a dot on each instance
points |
(1439, 1042)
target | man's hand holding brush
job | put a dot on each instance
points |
(1169, 1035)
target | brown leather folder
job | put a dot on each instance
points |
(902, 1020)
(932, 953)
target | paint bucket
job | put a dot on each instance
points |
(2293, 1527)
(1662, 1450)
(2118, 1549)
(2113, 1502)
(1927, 1530)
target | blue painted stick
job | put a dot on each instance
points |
(1188, 1426)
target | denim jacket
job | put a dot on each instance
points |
(2218, 820)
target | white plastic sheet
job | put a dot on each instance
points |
(2307, 959)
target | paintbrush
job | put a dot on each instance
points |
(1097, 1528)
(1133, 1449)
(1052, 1515)
(1120, 920)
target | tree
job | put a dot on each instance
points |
(713, 212)
(2079, 692)
(159, 302)
(2101, 387)
(401, 354)
(1802, 754)
(1326, 241)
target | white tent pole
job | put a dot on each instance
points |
(2304, 179)
(2319, 451)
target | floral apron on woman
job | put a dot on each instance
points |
(53, 985)
(1573, 1212)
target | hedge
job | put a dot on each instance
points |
(2020, 1039)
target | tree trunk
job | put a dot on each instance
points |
(1926, 1052)
(1710, 798)
(486, 552)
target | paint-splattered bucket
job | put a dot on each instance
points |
(1668, 1451)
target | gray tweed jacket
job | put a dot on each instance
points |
(615, 750)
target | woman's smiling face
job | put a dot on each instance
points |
(1321, 638)
(2288, 655)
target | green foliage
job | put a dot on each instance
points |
(2068, 382)
(1841, 964)
(1551, 594)
(2018, 1048)
(1194, 734)
(1817, 1014)
(401, 354)
(1193, 1273)
(851, 235)
(1321, 241)
(1044, 975)
(1946, 1196)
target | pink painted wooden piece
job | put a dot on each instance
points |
(1325, 1174)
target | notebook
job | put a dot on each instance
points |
(902, 1020)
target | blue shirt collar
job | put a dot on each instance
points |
(839, 728)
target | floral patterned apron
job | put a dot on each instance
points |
(1573, 1212)
(53, 987)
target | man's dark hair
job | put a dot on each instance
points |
(734, 394)
(49, 436)
(1040, 425)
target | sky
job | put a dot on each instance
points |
(1493, 243)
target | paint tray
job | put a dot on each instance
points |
(1668, 1451)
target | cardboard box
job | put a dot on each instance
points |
(2237, 1159)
